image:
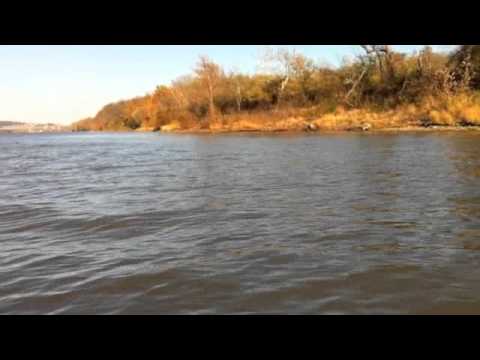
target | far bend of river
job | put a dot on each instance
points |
(240, 224)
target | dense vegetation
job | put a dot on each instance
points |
(381, 86)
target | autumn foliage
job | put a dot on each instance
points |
(381, 87)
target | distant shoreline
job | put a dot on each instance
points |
(31, 128)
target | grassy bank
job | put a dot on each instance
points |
(459, 112)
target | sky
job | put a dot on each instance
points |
(63, 84)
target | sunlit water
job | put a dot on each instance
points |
(233, 224)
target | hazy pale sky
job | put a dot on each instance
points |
(62, 84)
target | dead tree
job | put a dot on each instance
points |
(280, 62)
(384, 58)
(464, 67)
(356, 83)
(239, 97)
(236, 87)
(210, 75)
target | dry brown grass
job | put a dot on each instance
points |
(460, 110)
(360, 118)
(173, 126)
(264, 121)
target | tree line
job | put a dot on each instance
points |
(378, 78)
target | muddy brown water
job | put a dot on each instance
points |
(240, 224)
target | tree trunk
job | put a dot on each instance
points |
(282, 88)
(239, 98)
(211, 110)
(359, 80)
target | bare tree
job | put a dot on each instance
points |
(384, 57)
(238, 94)
(180, 89)
(356, 83)
(463, 69)
(235, 87)
(210, 75)
(280, 62)
(366, 62)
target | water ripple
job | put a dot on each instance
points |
(165, 224)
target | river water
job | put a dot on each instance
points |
(240, 224)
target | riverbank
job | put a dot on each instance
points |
(457, 114)
(461, 112)
(309, 130)
(385, 130)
